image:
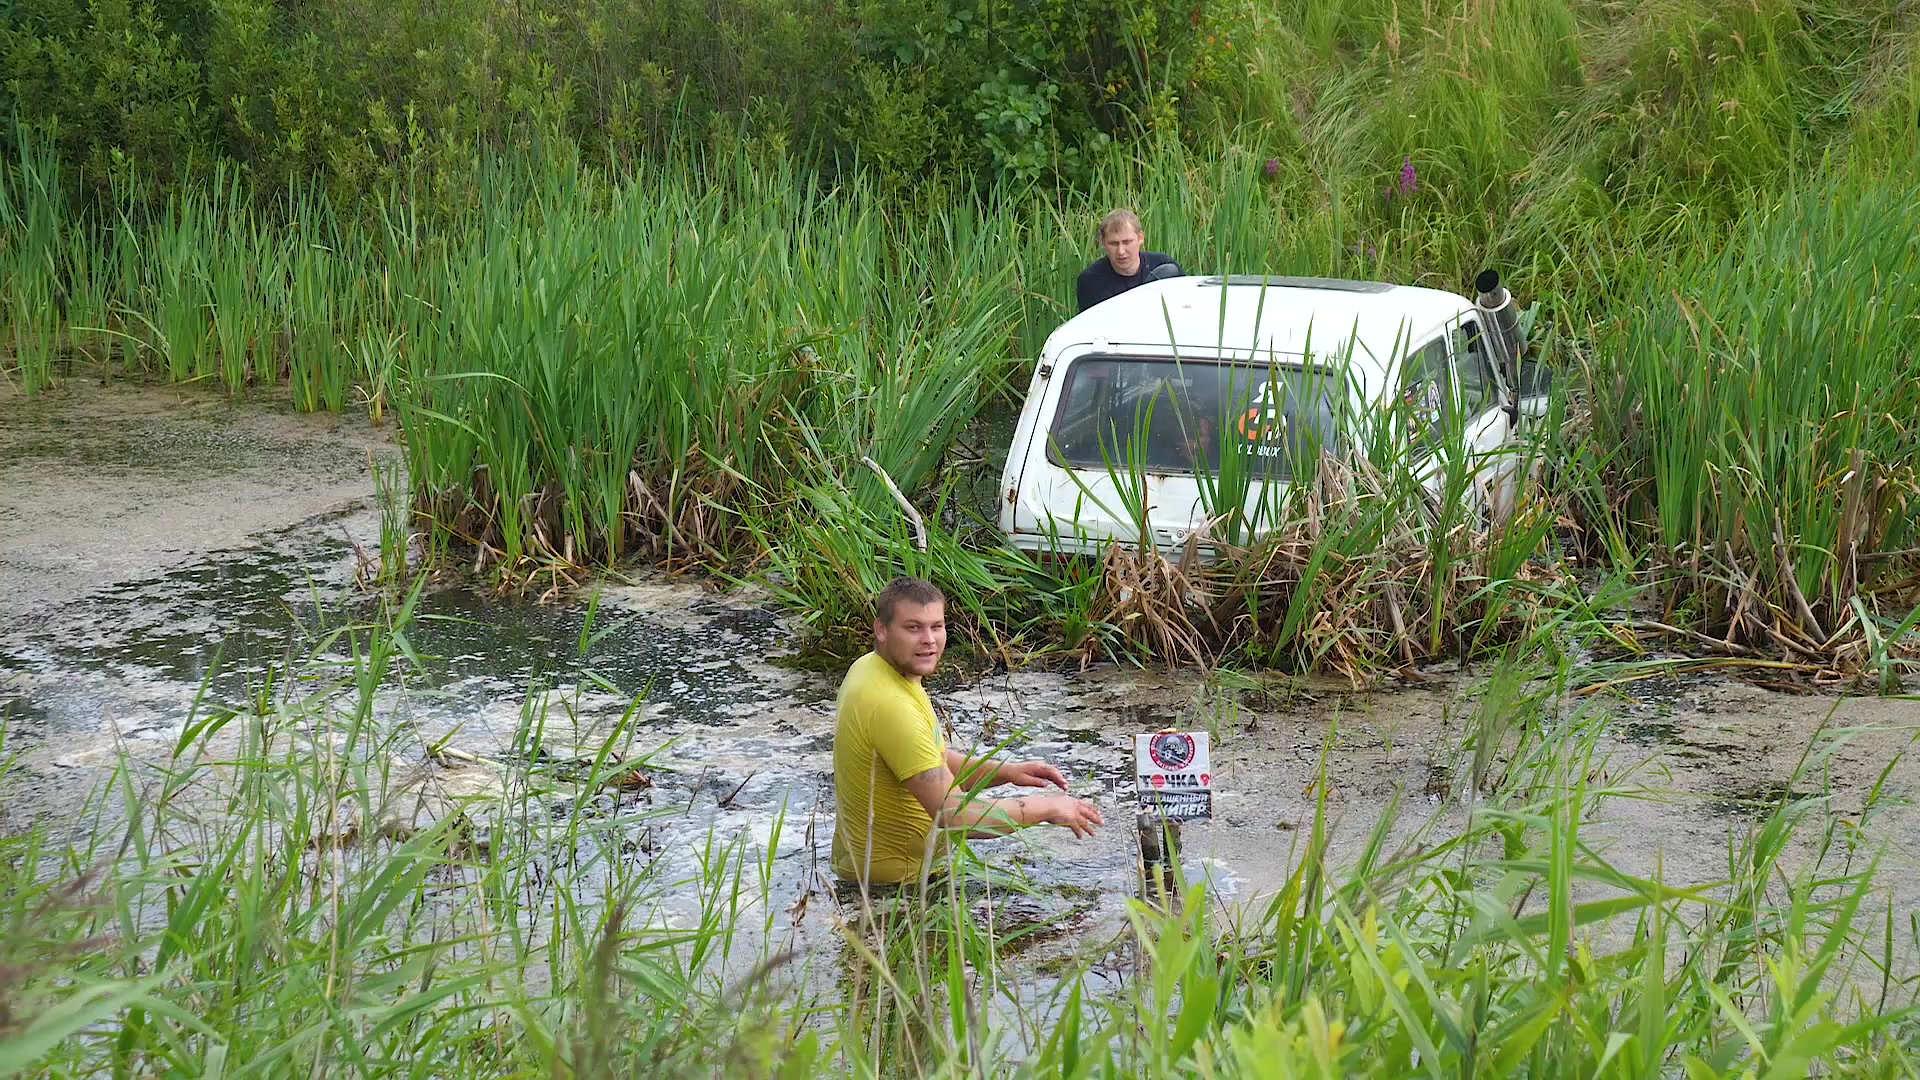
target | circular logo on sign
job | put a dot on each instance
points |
(1171, 750)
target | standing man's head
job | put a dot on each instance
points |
(910, 626)
(1121, 236)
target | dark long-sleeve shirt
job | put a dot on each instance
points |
(1099, 282)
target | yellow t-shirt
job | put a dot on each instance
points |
(886, 733)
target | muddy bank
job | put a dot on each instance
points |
(161, 546)
(104, 484)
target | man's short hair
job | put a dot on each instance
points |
(1115, 219)
(911, 589)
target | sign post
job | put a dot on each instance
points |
(1173, 775)
(1173, 780)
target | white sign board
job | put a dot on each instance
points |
(1173, 774)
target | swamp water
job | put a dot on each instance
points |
(145, 534)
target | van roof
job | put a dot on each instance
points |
(1207, 314)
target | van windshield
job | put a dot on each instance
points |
(1182, 416)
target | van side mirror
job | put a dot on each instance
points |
(1536, 379)
(1531, 390)
(1165, 271)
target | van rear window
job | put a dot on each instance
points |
(1183, 416)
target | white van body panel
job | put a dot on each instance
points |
(1046, 505)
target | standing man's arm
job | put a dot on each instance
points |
(1084, 287)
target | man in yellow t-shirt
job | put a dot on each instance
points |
(893, 776)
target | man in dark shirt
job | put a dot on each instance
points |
(1125, 266)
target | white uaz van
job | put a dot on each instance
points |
(1159, 385)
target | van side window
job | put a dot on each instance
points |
(1473, 369)
(1425, 394)
(1092, 387)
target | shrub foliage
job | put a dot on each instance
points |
(359, 91)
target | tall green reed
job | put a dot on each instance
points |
(32, 214)
(1761, 401)
(651, 376)
(320, 294)
(173, 302)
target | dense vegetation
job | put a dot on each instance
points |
(650, 281)
(357, 94)
(682, 342)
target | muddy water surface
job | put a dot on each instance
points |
(160, 546)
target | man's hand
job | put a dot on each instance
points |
(1069, 812)
(1031, 774)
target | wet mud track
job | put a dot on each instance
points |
(110, 632)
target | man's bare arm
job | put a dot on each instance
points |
(985, 772)
(973, 773)
(951, 807)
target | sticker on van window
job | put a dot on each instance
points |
(1423, 409)
(1264, 426)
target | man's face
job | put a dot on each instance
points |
(1123, 249)
(915, 638)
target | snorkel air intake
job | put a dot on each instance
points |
(1502, 319)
